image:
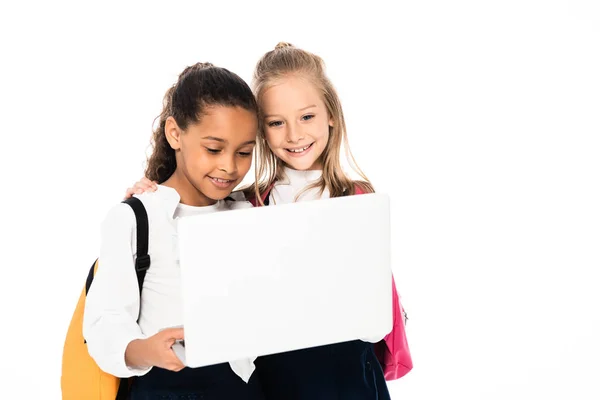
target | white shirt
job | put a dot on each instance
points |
(113, 301)
(293, 183)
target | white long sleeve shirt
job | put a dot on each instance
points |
(113, 301)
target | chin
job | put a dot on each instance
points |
(217, 195)
(213, 193)
(305, 166)
(298, 165)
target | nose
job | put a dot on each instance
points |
(293, 134)
(228, 165)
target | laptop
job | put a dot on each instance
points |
(267, 280)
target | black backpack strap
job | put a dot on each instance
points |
(142, 259)
(90, 278)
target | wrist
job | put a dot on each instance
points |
(136, 354)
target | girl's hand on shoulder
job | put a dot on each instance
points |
(155, 351)
(141, 186)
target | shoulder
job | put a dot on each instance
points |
(119, 218)
(160, 203)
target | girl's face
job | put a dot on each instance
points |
(215, 154)
(296, 123)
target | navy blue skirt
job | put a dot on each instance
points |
(344, 371)
(216, 382)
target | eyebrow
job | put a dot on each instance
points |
(300, 109)
(216, 139)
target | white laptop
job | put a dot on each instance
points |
(271, 279)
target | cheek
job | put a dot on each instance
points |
(196, 159)
(244, 165)
(320, 128)
(272, 139)
(324, 133)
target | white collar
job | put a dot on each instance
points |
(294, 177)
(171, 199)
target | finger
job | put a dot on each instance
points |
(141, 186)
(172, 334)
(175, 366)
(173, 362)
(148, 184)
(146, 187)
(152, 184)
(129, 192)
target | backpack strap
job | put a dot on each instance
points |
(142, 259)
(264, 197)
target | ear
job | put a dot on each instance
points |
(331, 122)
(173, 133)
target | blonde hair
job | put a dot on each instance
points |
(287, 60)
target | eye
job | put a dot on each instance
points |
(274, 124)
(307, 117)
(245, 154)
(213, 151)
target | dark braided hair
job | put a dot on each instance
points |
(198, 86)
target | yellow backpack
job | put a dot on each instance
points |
(81, 378)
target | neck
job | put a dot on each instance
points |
(188, 193)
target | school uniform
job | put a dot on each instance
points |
(113, 305)
(344, 371)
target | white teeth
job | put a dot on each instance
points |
(221, 180)
(299, 150)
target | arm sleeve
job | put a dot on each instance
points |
(113, 301)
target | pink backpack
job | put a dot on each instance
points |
(392, 352)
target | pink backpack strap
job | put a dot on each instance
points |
(358, 190)
(263, 196)
(393, 352)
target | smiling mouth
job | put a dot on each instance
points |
(222, 183)
(300, 149)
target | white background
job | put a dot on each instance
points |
(481, 119)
